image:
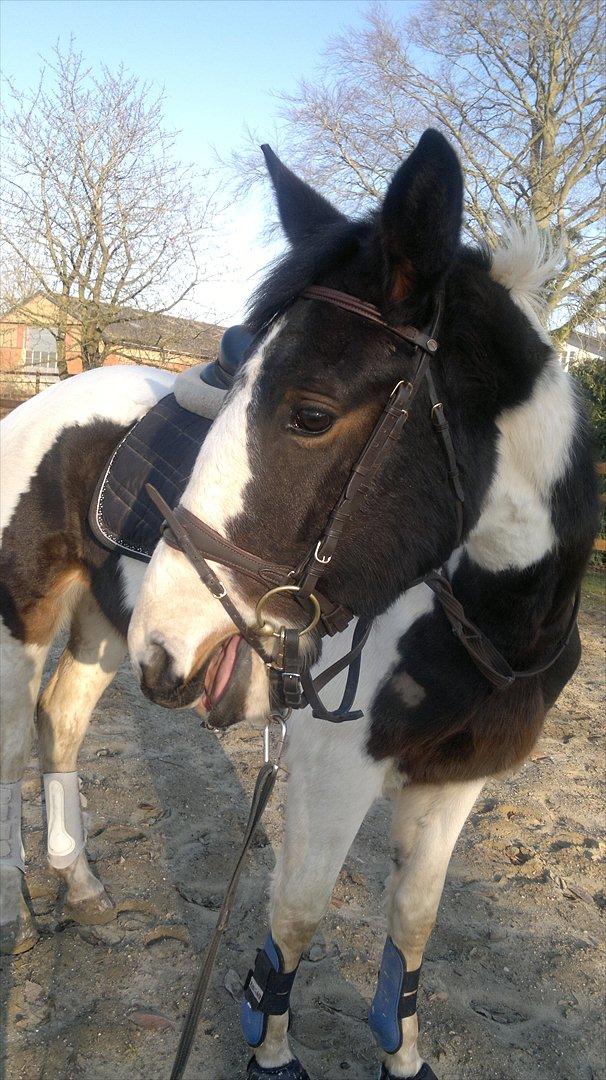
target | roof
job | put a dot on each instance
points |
(165, 332)
(592, 344)
(134, 327)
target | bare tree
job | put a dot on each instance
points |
(98, 216)
(515, 84)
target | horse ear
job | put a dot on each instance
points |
(302, 210)
(421, 217)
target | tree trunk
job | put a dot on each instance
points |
(61, 358)
(92, 349)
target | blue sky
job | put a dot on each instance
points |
(219, 62)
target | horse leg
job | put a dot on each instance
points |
(20, 674)
(87, 666)
(331, 786)
(427, 821)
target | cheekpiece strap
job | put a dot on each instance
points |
(289, 673)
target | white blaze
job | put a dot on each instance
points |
(174, 608)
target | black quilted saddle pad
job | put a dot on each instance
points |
(160, 449)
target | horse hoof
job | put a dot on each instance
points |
(17, 937)
(293, 1070)
(93, 911)
(18, 931)
(424, 1073)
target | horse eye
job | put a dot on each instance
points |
(311, 420)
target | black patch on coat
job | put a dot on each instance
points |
(489, 359)
(464, 728)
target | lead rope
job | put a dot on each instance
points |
(264, 786)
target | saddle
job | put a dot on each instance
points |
(161, 449)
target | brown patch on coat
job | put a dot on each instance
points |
(48, 552)
(402, 281)
(43, 618)
(353, 423)
(495, 736)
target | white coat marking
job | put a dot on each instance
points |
(515, 528)
(132, 573)
(214, 493)
(523, 262)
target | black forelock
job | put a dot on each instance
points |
(350, 246)
(313, 258)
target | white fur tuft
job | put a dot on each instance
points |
(524, 260)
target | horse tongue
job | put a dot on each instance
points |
(224, 670)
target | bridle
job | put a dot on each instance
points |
(292, 686)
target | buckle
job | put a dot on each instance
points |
(323, 559)
(280, 718)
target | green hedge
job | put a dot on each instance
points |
(591, 377)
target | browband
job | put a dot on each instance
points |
(372, 314)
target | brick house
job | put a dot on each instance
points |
(28, 347)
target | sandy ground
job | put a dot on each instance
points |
(513, 978)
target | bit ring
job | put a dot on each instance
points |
(265, 629)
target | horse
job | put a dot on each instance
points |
(483, 528)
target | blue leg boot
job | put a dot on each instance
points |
(267, 993)
(395, 999)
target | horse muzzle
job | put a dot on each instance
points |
(221, 677)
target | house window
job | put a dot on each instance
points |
(41, 348)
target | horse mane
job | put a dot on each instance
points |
(524, 260)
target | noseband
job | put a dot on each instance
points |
(291, 683)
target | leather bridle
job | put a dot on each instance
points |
(291, 683)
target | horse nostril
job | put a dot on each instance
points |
(157, 673)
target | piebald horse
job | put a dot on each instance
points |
(270, 471)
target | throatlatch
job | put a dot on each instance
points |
(266, 992)
(395, 998)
